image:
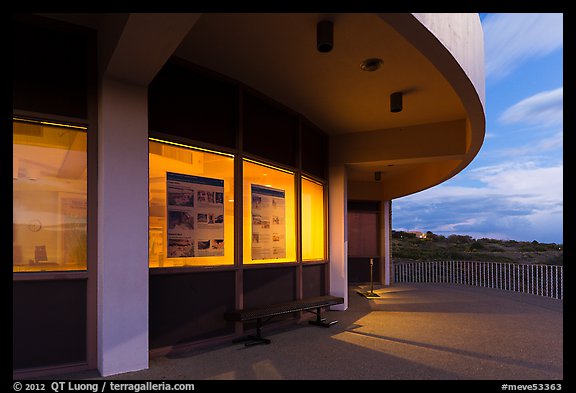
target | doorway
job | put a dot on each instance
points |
(363, 241)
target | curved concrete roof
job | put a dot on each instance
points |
(435, 60)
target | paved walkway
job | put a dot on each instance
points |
(412, 332)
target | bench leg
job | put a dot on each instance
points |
(252, 340)
(319, 321)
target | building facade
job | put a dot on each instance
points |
(168, 168)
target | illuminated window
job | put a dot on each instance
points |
(313, 244)
(49, 197)
(269, 214)
(191, 206)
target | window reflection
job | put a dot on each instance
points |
(49, 197)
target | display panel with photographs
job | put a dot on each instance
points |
(269, 214)
(268, 223)
(195, 216)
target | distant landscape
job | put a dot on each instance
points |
(408, 246)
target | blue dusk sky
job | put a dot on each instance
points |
(513, 189)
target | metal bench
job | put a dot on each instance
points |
(264, 314)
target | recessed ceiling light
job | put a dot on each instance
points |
(371, 64)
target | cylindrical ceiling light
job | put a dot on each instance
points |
(396, 102)
(324, 36)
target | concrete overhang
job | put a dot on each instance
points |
(435, 60)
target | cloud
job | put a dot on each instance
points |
(524, 184)
(536, 148)
(511, 39)
(512, 200)
(544, 108)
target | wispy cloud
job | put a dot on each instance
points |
(524, 183)
(513, 38)
(534, 149)
(544, 108)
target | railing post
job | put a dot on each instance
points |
(540, 281)
(556, 282)
(494, 275)
(546, 281)
(512, 278)
(526, 273)
(562, 283)
(531, 279)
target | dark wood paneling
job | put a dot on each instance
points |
(187, 103)
(50, 67)
(314, 148)
(363, 230)
(49, 323)
(268, 286)
(359, 269)
(313, 280)
(269, 131)
(189, 307)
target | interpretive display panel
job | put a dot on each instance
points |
(269, 214)
(195, 216)
(268, 223)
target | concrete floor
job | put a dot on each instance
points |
(412, 332)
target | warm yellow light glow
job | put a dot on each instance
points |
(265, 173)
(49, 197)
(177, 158)
(191, 147)
(313, 233)
(48, 123)
(281, 235)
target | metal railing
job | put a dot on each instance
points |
(543, 280)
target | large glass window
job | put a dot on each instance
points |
(191, 206)
(269, 214)
(313, 234)
(49, 197)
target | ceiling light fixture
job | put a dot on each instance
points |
(324, 36)
(396, 102)
(372, 64)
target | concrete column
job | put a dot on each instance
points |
(385, 246)
(122, 228)
(338, 223)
